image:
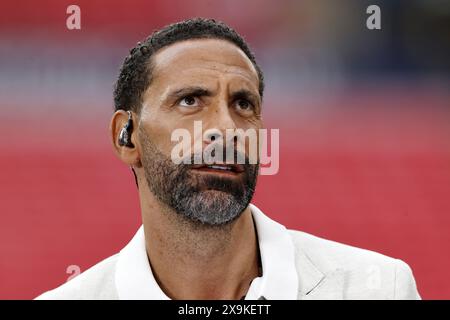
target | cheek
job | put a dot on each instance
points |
(251, 122)
(165, 127)
(250, 143)
(159, 128)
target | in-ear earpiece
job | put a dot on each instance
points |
(125, 133)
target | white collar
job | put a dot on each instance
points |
(135, 280)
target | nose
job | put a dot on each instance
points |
(220, 120)
(213, 134)
(227, 143)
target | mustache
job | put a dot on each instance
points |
(219, 156)
(236, 188)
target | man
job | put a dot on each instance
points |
(201, 238)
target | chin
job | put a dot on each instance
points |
(209, 203)
(212, 196)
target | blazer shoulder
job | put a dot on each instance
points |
(364, 270)
(95, 283)
(330, 254)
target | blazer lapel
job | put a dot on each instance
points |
(315, 284)
(331, 287)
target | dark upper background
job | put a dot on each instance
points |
(363, 117)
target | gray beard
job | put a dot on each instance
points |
(207, 200)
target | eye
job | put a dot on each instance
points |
(189, 101)
(244, 105)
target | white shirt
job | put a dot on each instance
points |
(134, 278)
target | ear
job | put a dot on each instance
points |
(128, 155)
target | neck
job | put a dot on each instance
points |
(194, 261)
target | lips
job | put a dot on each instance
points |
(220, 168)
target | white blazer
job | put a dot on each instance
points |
(296, 265)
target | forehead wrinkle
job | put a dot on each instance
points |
(201, 70)
(243, 65)
(231, 69)
(211, 71)
(196, 76)
(195, 52)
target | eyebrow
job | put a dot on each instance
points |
(189, 91)
(201, 91)
(245, 94)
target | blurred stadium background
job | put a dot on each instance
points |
(363, 116)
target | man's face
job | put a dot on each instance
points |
(211, 81)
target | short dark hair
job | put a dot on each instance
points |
(136, 72)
